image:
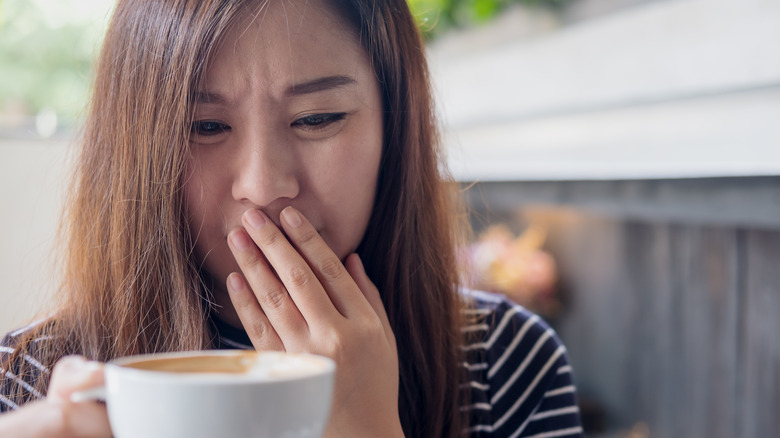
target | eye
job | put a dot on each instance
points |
(315, 122)
(208, 128)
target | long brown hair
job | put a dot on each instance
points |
(130, 282)
(409, 247)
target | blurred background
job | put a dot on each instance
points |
(621, 162)
(46, 52)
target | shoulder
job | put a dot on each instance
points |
(519, 373)
(502, 328)
(20, 368)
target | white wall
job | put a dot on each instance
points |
(32, 177)
(676, 88)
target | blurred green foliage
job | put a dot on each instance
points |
(46, 52)
(435, 17)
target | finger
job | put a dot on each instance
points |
(331, 273)
(356, 270)
(57, 418)
(82, 419)
(74, 373)
(86, 420)
(270, 293)
(256, 324)
(300, 282)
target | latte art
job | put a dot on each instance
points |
(270, 365)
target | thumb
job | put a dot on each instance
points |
(74, 373)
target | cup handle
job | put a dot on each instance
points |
(93, 394)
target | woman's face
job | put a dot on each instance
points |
(290, 114)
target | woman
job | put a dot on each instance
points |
(266, 174)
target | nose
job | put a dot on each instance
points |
(265, 171)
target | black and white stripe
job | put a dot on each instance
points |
(521, 383)
(12, 383)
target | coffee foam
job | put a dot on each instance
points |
(264, 365)
(282, 366)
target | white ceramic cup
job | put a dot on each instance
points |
(247, 395)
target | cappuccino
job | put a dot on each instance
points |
(229, 394)
(269, 364)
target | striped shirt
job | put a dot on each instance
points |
(519, 376)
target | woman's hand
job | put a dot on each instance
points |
(297, 296)
(56, 416)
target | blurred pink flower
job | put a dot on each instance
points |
(515, 266)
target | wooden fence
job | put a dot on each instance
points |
(671, 295)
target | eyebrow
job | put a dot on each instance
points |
(321, 84)
(207, 97)
(308, 87)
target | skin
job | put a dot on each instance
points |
(289, 115)
(286, 149)
(286, 145)
(56, 415)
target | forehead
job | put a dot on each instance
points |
(287, 41)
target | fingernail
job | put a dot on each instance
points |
(91, 366)
(234, 282)
(255, 219)
(239, 239)
(292, 217)
(78, 369)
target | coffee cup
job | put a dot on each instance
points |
(225, 394)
